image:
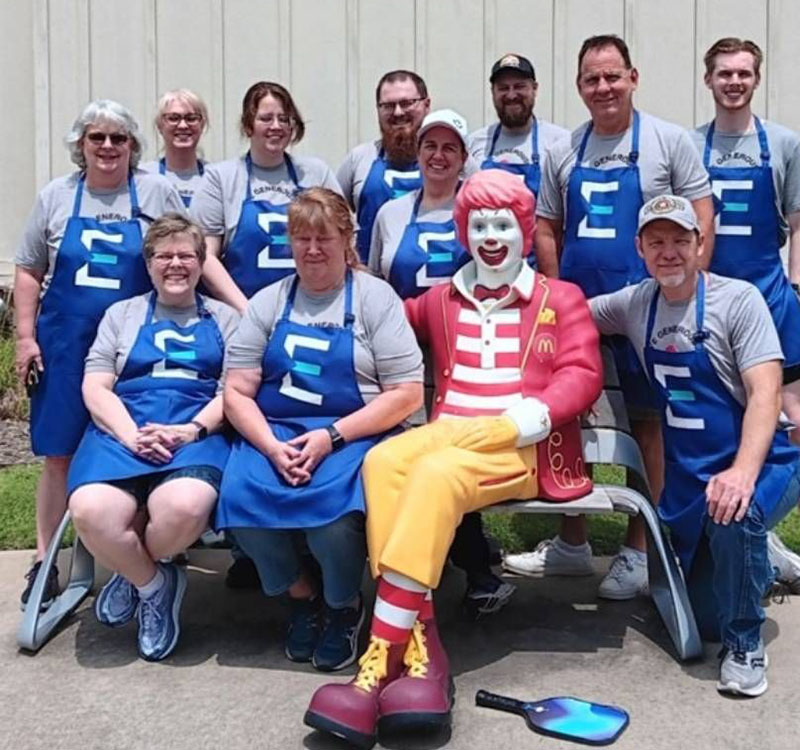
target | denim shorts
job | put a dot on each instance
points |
(142, 486)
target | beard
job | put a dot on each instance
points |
(400, 141)
(516, 117)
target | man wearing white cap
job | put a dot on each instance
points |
(519, 140)
(414, 247)
(593, 185)
(712, 354)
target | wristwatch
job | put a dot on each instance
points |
(202, 430)
(337, 441)
(796, 288)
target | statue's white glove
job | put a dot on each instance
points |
(532, 418)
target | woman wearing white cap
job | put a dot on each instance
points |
(414, 247)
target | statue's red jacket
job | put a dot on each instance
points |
(561, 366)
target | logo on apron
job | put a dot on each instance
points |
(292, 342)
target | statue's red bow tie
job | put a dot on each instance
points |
(481, 292)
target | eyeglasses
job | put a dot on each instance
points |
(174, 118)
(99, 139)
(284, 121)
(405, 104)
(165, 259)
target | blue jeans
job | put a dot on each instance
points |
(731, 573)
(339, 547)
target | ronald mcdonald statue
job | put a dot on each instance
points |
(516, 361)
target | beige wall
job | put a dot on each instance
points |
(59, 54)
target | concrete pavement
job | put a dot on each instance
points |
(228, 685)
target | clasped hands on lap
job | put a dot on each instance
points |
(296, 459)
(158, 442)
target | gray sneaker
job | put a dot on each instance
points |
(785, 562)
(744, 672)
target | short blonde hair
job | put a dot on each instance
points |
(170, 225)
(318, 208)
(187, 97)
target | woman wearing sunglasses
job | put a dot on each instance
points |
(242, 203)
(81, 251)
(182, 118)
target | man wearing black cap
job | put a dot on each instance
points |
(518, 142)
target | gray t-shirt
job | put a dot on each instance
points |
(353, 172)
(47, 221)
(743, 150)
(385, 350)
(390, 224)
(218, 201)
(122, 322)
(736, 316)
(186, 183)
(513, 148)
(668, 163)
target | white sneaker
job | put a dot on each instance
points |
(785, 562)
(626, 578)
(552, 557)
(744, 672)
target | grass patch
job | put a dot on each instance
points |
(17, 507)
(13, 402)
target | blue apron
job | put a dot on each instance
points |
(308, 382)
(259, 253)
(97, 264)
(702, 425)
(599, 250)
(531, 173)
(383, 183)
(170, 375)
(747, 238)
(428, 254)
(162, 169)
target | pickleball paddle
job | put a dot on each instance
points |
(564, 717)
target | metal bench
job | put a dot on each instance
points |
(607, 440)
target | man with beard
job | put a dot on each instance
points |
(518, 142)
(754, 168)
(593, 185)
(379, 170)
(713, 355)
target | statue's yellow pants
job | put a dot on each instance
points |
(419, 485)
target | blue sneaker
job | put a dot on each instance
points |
(303, 631)
(338, 645)
(117, 601)
(159, 615)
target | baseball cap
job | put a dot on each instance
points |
(445, 118)
(670, 207)
(517, 63)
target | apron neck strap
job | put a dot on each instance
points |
(135, 211)
(633, 155)
(162, 165)
(202, 310)
(763, 144)
(700, 334)
(349, 318)
(76, 205)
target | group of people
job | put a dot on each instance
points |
(243, 345)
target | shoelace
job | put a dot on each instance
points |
(373, 664)
(416, 655)
(620, 566)
(151, 617)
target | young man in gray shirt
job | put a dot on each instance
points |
(754, 167)
(712, 354)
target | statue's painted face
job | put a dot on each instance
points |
(495, 240)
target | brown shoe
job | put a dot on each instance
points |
(350, 710)
(422, 698)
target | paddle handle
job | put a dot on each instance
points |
(500, 702)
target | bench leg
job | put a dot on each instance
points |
(37, 627)
(667, 587)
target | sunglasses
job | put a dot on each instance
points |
(99, 139)
(173, 118)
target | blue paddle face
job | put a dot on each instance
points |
(574, 719)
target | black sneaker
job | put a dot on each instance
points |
(303, 631)
(487, 595)
(338, 645)
(243, 575)
(51, 590)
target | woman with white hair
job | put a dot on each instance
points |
(181, 120)
(80, 252)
